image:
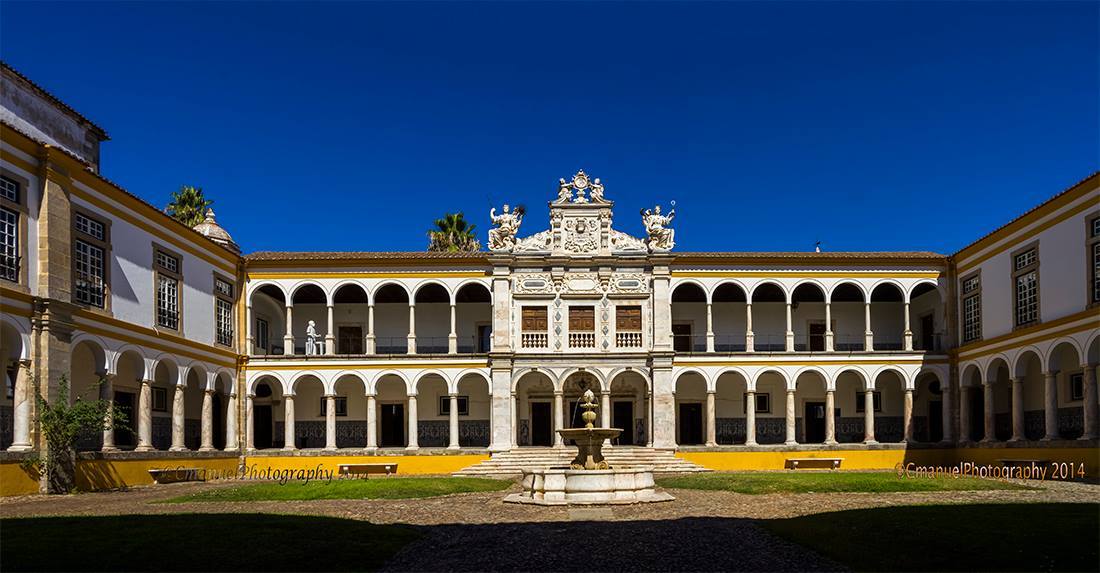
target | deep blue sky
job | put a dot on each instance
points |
(345, 126)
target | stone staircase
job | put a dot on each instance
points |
(518, 459)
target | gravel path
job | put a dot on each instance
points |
(700, 530)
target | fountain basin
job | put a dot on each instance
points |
(563, 486)
(589, 442)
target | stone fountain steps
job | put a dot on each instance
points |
(515, 461)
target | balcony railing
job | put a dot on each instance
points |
(383, 345)
(628, 339)
(582, 340)
(9, 267)
(534, 340)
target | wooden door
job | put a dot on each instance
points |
(534, 319)
(582, 319)
(817, 337)
(349, 340)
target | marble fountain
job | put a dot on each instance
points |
(589, 480)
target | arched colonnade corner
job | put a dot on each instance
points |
(449, 315)
(172, 402)
(1046, 391)
(368, 409)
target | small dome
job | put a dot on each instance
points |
(213, 231)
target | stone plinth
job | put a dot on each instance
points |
(588, 487)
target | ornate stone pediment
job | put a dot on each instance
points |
(629, 283)
(581, 283)
(533, 283)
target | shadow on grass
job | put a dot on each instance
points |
(198, 542)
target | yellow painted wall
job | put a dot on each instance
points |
(889, 459)
(94, 475)
(14, 480)
(405, 464)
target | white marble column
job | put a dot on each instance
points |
(178, 422)
(21, 410)
(712, 435)
(869, 417)
(1017, 410)
(789, 334)
(452, 433)
(1050, 399)
(908, 334)
(791, 439)
(605, 408)
(249, 424)
(710, 328)
(964, 414)
(515, 420)
(750, 418)
(559, 418)
(828, 326)
(330, 334)
(288, 423)
(231, 444)
(250, 344)
(412, 328)
(1090, 405)
(750, 341)
(107, 394)
(414, 420)
(452, 338)
(370, 349)
(330, 422)
(868, 334)
(206, 443)
(372, 423)
(989, 419)
(288, 337)
(145, 417)
(830, 417)
(907, 416)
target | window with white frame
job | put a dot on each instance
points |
(91, 244)
(223, 312)
(1025, 278)
(261, 334)
(972, 308)
(1094, 260)
(9, 189)
(168, 289)
(90, 226)
(9, 245)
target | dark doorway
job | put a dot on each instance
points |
(124, 436)
(815, 422)
(817, 337)
(927, 334)
(349, 340)
(541, 426)
(484, 337)
(622, 416)
(681, 337)
(574, 415)
(219, 422)
(691, 424)
(261, 426)
(977, 413)
(935, 421)
(393, 425)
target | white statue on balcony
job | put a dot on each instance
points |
(503, 237)
(660, 236)
(313, 345)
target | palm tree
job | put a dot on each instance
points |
(453, 234)
(188, 206)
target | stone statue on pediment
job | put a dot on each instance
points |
(503, 236)
(656, 226)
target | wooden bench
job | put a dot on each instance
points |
(829, 463)
(1017, 462)
(366, 470)
(177, 475)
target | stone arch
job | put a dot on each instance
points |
(298, 286)
(453, 387)
(687, 284)
(1091, 357)
(712, 383)
(970, 374)
(348, 375)
(253, 380)
(130, 349)
(991, 367)
(730, 282)
(861, 375)
(925, 282)
(256, 287)
(224, 381)
(389, 284)
(1056, 359)
(559, 384)
(347, 286)
(787, 382)
(298, 378)
(815, 370)
(901, 290)
(814, 282)
(397, 373)
(98, 347)
(429, 283)
(769, 283)
(425, 373)
(1019, 363)
(902, 377)
(849, 284)
(16, 330)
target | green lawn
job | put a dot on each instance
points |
(380, 488)
(825, 482)
(198, 542)
(994, 537)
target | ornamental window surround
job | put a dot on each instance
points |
(168, 278)
(223, 311)
(91, 255)
(1025, 285)
(971, 288)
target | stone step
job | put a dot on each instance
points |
(515, 461)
